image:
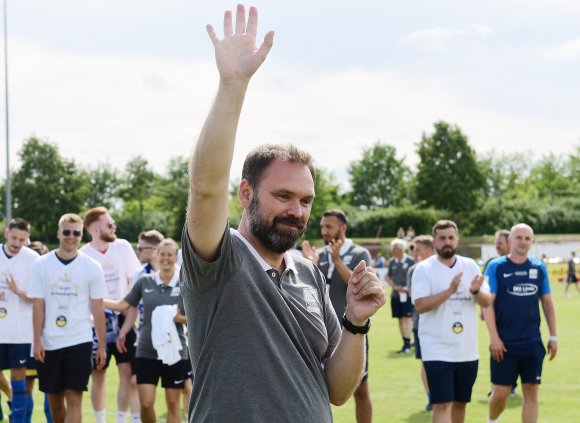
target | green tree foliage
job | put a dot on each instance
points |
(377, 179)
(138, 182)
(101, 186)
(174, 190)
(45, 187)
(552, 177)
(448, 177)
(327, 197)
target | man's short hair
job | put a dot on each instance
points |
(152, 237)
(503, 232)
(339, 214)
(69, 218)
(425, 240)
(444, 224)
(19, 223)
(94, 214)
(398, 243)
(260, 158)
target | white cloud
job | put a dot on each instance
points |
(570, 50)
(445, 39)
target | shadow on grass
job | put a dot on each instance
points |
(396, 354)
(419, 417)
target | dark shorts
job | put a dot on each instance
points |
(450, 381)
(525, 362)
(31, 372)
(14, 356)
(128, 357)
(65, 368)
(572, 279)
(365, 374)
(173, 377)
(399, 309)
(417, 344)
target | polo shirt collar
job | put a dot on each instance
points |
(172, 283)
(287, 256)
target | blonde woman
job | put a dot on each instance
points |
(157, 290)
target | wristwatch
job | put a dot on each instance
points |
(347, 324)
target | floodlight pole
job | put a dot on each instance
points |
(8, 184)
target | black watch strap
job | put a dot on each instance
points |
(347, 324)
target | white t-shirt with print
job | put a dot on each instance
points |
(449, 332)
(119, 264)
(16, 313)
(67, 291)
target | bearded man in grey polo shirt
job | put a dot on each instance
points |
(265, 342)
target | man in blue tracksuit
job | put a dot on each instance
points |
(518, 284)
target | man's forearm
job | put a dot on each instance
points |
(426, 304)
(98, 311)
(343, 270)
(550, 313)
(37, 319)
(344, 367)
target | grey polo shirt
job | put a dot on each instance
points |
(256, 342)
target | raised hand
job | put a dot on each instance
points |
(476, 283)
(454, 285)
(309, 252)
(237, 55)
(335, 246)
(364, 295)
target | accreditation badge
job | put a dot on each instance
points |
(457, 328)
(61, 321)
(3, 312)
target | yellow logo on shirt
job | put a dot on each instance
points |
(457, 327)
(61, 321)
(3, 312)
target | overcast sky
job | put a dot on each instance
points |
(107, 80)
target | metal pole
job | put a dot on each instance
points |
(8, 182)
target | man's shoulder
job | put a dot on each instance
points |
(28, 254)
(359, 249)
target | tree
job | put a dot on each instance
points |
(45, 187)
(552, 177)
(138, 182)
(377, 179)
(101, 186)
(448, 176)
(174, 189)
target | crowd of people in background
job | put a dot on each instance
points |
(274, 334)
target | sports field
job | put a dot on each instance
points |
(396, 389)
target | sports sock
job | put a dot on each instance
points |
(122, 416)
(29, 408)
(489, 420)
(18, 401)
(135, 417)
(406, 342)
(100, 416)
(47, 410)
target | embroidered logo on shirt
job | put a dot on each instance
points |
(311, 300)
(147, 291)
(533, 273)
(507, 275)
(523, 289)
(457, 327)
(522, 273)
(347, 259)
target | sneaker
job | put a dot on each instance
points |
(513, 393)
(429, 407)
(404, 351)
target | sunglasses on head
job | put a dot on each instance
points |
(67, 232)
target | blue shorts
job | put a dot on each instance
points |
(399, 309)
(14, 356)
(523, 361)
(450, 381)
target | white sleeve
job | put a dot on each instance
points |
(420, 283)
(35, 282)
(97, 288)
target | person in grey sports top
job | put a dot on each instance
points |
(265, 342)
(336, 262)
(152, 360)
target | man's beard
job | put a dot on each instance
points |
(273, 238)
(108, 237)
(334, 238)
(446, 253)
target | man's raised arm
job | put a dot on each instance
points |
(237, 59)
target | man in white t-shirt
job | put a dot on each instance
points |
(446, 289)
(67, 287)
(119, 263)
(16, 260)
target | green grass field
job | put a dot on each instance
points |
(396, 388)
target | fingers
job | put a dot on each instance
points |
(212, 35)
(358, 272)
(228, 28)
(252, 27)
(240, 19)
(266, 45)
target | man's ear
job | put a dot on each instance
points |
(245, 193)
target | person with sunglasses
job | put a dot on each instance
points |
(119, 263)
(66, 287)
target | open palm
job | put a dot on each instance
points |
(237, 55)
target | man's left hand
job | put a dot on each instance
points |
(364, 295)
